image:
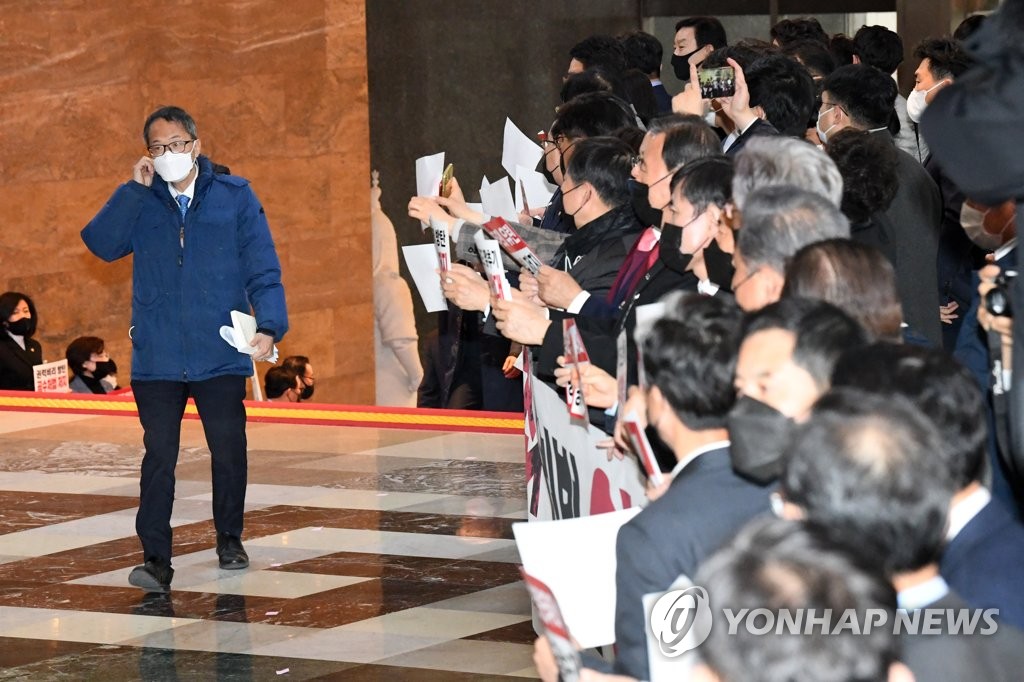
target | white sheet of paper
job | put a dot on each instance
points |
(497, 200)
(241, 332)
(576, 559)
(538, 189)
(661, 668)
(518, 149)
(421, 259)
(429, 170)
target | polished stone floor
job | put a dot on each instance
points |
(375, 555)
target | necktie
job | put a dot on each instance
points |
(183, 204)
(638, 262)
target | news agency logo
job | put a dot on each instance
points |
(681, 620)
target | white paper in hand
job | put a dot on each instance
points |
(576, 559)
(241, 333)
(518, 150)
(421, 260)
(496, 199)
(429, 170)
(538, 190)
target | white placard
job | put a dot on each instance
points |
(51, 377)
(518, 149)
(421, 259)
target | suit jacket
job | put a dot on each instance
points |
(704, 506)
(998, 657)
(758, 127)
(914, 218)
(16, 364)
(984, 563)
(662, 99)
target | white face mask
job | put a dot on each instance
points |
(823, 134)
(917, 102)
(174, 167)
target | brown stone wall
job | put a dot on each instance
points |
(279, 93)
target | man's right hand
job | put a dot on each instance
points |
(142, 171)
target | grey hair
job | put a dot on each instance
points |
(780, 220)
(766, 161)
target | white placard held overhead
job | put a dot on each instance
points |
(496, 199)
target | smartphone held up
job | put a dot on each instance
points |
(714, 83)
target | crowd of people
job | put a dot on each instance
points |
(836, 264)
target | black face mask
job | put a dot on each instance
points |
(668, 252)
(104, 369)
(307, 391)
(681, 65)
(20, 327)
(647, 214)
(759, 435)
(719, 265)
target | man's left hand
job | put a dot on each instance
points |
(520, 321)
(264, 346)
(557, 288)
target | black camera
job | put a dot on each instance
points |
(998, 300)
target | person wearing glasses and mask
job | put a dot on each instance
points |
(18, 350)
(94, 371)
(299, 364)
(202, 247)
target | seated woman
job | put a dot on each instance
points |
(94, 371)
(18, 350)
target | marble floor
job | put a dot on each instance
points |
(375, 555)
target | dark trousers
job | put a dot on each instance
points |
(161, 405)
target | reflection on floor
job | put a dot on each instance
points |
(375, 555)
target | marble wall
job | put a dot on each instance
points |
(279, 93)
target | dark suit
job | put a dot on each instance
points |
(994, 658)
(16, 364)
(914, 217)
(757, 128)
(662, 99)
(704, 506)
(984, 563)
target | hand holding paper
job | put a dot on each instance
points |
(243, 337)
(465, 288)
(557, 288)
(520, 322)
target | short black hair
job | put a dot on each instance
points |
(278, 380)
(691, 138)
(744, 53)
(843, 49)
(822, 333)
(786, 566)
(296, 363)
(879, 47)
(690, 356)
(594, 79)
(706, 31)
(592, 114)
(705, 182)
(605, 162)
(9, 300)
(600, 50)
(940, 387)
(643, 51)
(635, 87)
(865, 93)
(968, 27)
(946, 57)
(174, 115)
(812, 54)
(865, 466)
(805, 28)
(80, 351)
(785, 90)
(869, 165)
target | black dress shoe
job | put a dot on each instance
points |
(152, 576)
(231, 553)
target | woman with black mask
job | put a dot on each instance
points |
(94, 371)
(19, 352)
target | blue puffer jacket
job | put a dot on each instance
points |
(182, 295)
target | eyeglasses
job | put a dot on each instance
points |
(176, 147)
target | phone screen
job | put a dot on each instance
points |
(719, 82)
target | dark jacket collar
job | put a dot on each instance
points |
(615, 224)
